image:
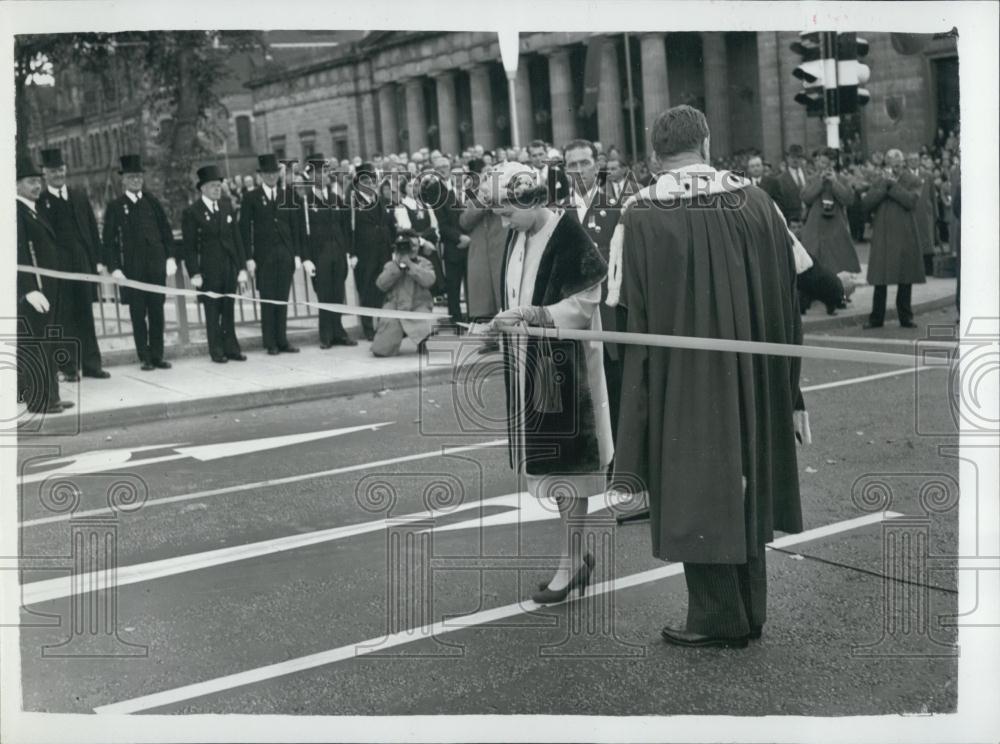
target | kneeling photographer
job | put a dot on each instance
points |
(406, 280)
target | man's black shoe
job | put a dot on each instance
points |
(147, 367)
(907, 324)
(869, 325)
(219, 359)
(237, 357)
(344, 341)
(273, 352)
(756, 631)
(290, 350)
(696, 640)
(99, 374)
(54, 408)
(160, 364)
(325, 345)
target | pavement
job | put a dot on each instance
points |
(197, 385)
(373, 554)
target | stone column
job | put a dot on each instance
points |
(525, 114)
(610, 121)
(769, 77)
(716, 91)
(561, 97)
(387, 118)
(416, 114)
(655, 82)
(482, 106)
(447, 112)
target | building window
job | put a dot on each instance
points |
(244, 134)
(307, 143)
(338, 136)
(278, 147)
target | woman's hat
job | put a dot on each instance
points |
(209, 173)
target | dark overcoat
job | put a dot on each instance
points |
(827, 233)
(896, 255)
(268, 230)
(212, 246)
(325, 227)
(131, 246)
(693, 424)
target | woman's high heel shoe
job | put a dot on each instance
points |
(579, 581)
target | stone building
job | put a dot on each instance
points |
(399, 91)
(353, 94)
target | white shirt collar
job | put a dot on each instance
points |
(212, 206)
(62, 193)
(133, 196)
(269, 191)
(28, 203)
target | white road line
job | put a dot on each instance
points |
(866, 378)
(268, 483)
(364, 648)
(875, 341)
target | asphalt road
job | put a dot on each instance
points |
(269, 581)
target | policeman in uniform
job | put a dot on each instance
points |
(268, 221)
(69, 213)
(213, 254)
(37, 383)
(138, 244)
(325, 227)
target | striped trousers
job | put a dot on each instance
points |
(725, 599)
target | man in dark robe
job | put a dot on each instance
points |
(710, 435)
(373, 236)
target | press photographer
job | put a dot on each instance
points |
(406, 280)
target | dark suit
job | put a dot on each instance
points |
(786, 193)
(78, 249)
(212, 248)
(326, 230)
(269, 230)
(600, 221)
(37, 384)
(448, 211)
(374, 234)
(138, 241)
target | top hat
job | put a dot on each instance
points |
(26, 168)
(52, 158)
(268, 163)
(796, 151)
(366, 169)
(130, 164)
(209, 173)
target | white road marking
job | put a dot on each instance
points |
(522, 508)
(240, 487)
(118, 459)
(354, 650)
(866, 378)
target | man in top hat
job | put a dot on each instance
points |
(786, 187)
(325, 228)
(37, 383)
(442, 196)
(139, 244)
(69, 213)
(213, 254)
(268, 229)
(373, 237)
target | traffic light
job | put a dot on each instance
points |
(817, 71)
(851, 73)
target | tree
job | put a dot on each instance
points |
(179, 70)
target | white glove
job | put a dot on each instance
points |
(196, 281)
(101, 268)
(251, 266)
(800, 419)
(519, 317)
(298, 262)
(242, 277)
(118, 274)
(464, 241)
(171, 267)
(427, 245)
(310, 267)
(38, 301)
(352, 261)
